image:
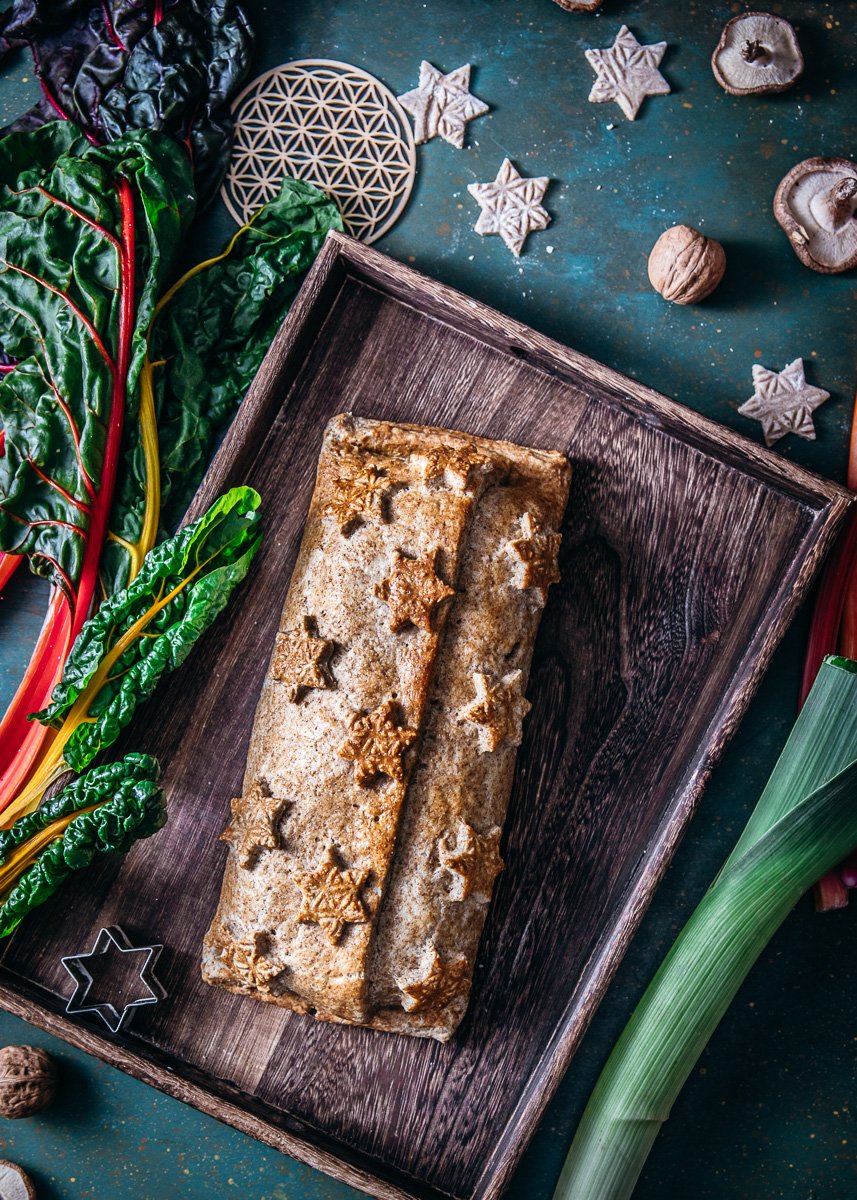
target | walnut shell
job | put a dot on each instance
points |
(579, 5)
(28, 1081)
(685, 266)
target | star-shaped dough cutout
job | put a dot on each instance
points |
(358, 494)
(253, 825)
(437, 984)
(537, 552)
(627, 72)
(246, 960)
(474, 860)
(300, 659)
(376, 743)
(442, 465)
(413, 590)
(783, 402)
(330, 895)
(442, 104)
(499, 710)
(511, 206)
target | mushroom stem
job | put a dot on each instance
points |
(834, 208)
(753, 51)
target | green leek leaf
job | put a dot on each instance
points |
(804, 823)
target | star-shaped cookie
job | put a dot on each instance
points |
(300, 659)
(473, 859)
(436, 984)
(442, 104)
(499, 710)
(376, 743)
(536, 552)
(357, 494)
(254, 823)
(627, 72)
(248, 962)
(330, 895)
(511, 206)
(412, 591)
(783, 402)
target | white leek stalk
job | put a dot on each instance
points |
(804, 823)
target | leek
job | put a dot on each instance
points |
(804, 823)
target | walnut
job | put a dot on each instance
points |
(28, 1081)
(685, 266)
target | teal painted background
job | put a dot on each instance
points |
(768, 1111)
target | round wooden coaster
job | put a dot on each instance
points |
(331, 124)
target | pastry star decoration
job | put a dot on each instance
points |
(627, 72)
(537, 553)
(437, 984)
(300, 658)
(413, 590)
(498, 710)
(358, 493)
(254, 823)
(511, 206)
(474, 860)
(376, 743)
(331, 895)
(247, 961)
(441, 465)
(442, 104)
(783, 402)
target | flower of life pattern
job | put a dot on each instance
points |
(333, 125)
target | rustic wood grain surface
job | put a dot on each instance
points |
(685, 552)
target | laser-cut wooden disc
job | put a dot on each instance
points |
(331, 124)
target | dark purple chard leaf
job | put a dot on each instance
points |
(115, 66)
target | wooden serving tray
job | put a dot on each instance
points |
(685, 553)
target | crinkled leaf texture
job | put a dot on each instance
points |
(130, 806)
(207, 560)
(61, 282)
(110, 68)
(214, 331)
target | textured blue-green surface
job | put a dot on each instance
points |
(768, 1111)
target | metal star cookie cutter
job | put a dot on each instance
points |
(93, 970)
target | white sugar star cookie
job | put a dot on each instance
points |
(627, 72)
(442, 104)
(783, 402)
(511, 206)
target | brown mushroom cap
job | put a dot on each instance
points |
(757, 53)
(579, 5)
(15, 1183)
(816, 205)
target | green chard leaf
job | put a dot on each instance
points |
(74, 217)
(126, 804)
(213, 332)
(149, 628)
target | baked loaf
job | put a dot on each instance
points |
(365, 845)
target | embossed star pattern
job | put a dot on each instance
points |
(783, 402)
(247, 961)
(376, 743)
(442, 104)
(299, 659)
(474, 860)
(358, 494)
(511, 206)
(499, 710)
(330, 895)
(441, 465)
(439, 984)
(412, 591)
(627, 72)
(253, 823)
(537, 552)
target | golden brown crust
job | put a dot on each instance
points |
(362, 899)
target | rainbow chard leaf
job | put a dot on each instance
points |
(125, 64)
(104, 811)
(149, 628)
